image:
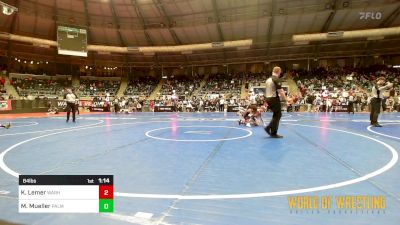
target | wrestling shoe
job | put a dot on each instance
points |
(276, 136)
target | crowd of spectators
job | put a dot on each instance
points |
(141, 87)
(199, 104)
(255, 79)
(323, 89)
(92, 88)
(3, 92)
(31, 87)
(332, 89)
(224, 84)
(181, 86)
(2, 83)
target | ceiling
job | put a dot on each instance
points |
(270, 23)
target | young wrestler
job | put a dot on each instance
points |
(250, 116)
(7, 126)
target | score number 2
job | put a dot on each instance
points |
(106, 192)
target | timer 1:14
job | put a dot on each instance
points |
(104, 180)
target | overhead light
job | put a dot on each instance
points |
(24, 61)
(369, 33)
(328, 6)
(335, 34)
(37, 63)
(47, 62)
(217, 44)
(8, 9)
(19, 60)
(396, 66)
(86, 67)
(31, 62)
(146, 50)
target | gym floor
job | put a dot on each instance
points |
(203, 168)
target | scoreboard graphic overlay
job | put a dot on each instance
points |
(66, 194)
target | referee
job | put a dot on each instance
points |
(376, 100)
(273, 92)
(71, 99)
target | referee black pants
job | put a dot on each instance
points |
(375, 110)
(71, 107)
(274, 104)
(350, 107)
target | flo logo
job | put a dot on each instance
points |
(370, 15)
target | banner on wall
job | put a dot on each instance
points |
(164, 109)
(85, 103)
(100, 106)
(5, 105)
(62, 105)
(341, 108)
(233, 108)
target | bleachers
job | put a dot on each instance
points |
(92, 88)
(140, 87)
(31, 86)
(320, 85)
(183, 86)
(223, 84)
(336, 85)
(3, 92)
(255, 79)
